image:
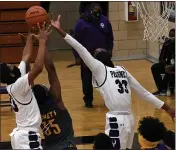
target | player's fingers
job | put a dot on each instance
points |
(58, 18)
(48, 28)
(38, 26)
(49, 32)
(43, 26)
(35, 36)
(22, 37)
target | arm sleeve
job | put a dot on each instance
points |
(143, 93)
(97, 68)
(22, 67)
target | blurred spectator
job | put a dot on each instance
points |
(93, 30)
(166, 63)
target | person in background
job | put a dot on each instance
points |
(93, 30)
(102, 142)
(166, 62)
(150, 133)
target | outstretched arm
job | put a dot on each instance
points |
(23, 84)
(144, 94)
(94, 65)
(27, 51)
(55, 88)
(39, 62)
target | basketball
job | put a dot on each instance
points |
(36, 14)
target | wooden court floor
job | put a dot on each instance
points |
(90, 121)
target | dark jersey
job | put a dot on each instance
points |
(56, 123)
(168, 52)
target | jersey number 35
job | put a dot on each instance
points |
(50, 128)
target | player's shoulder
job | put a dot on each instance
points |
(20, 82)
(80, 21)
(104, 18)
(80, 24)
(121, 67)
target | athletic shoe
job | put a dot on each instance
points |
(158, 93)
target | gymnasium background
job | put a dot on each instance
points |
(128, 36)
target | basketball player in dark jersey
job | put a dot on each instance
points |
(56, 121)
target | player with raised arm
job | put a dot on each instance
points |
(114, 84)
(56, 124)
(26, 135)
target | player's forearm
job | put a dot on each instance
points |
(147, 96)
(143, 93)
(82, 51)
(165, 107)
(27, 51)
(39, 62)
(49, 65)
(62, 32)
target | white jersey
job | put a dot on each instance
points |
(115, 89)
(24, 102)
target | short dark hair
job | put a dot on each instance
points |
(172, 33)
(151, 129)
(5, 71)
(41, 93)
(102, 142)
(103, 56)
(9, 76)
(169, 139)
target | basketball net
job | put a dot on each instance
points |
(155, 22)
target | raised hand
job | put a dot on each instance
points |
(56, 24)
(43, 32)
(23, 37)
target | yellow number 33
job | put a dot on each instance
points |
(53, 127)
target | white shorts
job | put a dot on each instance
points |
(23, 139)
(120, 128)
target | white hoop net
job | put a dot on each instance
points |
(155, 22)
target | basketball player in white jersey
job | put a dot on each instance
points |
(114, 84)
(28, 119)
